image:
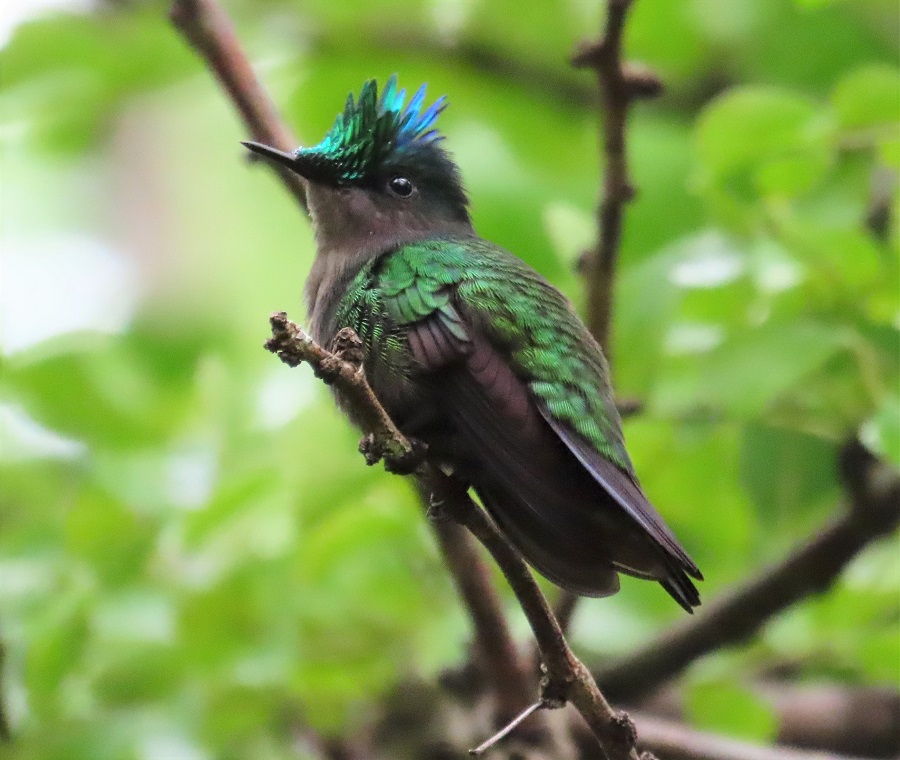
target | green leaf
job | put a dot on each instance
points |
(136, 674)
(115, 541)
(881, 432)
(763, 139)
(723, 707)
(867, 97)
(98, 394)
(751, 370)
(786, 472)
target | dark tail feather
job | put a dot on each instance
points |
(576, 521)
(558, 561)
(682, 590)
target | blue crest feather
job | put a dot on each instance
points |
(372, 130)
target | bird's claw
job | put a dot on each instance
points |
(437, 511)
(328, 370)
(407, 462)
(404, 463)
(348, 347)
(370, 449)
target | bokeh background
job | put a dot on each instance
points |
(194, 560)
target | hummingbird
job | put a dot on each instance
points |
(472, 352)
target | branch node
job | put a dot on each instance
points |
(591, 54)
(626, 728)
(284, 341)
(642, 83)
(554, 691)
(371, 450)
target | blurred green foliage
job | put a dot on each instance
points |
(193, 560)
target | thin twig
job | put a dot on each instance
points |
(873, 511)
(507, 729)
(206, 26)
(620, 85)
(568, 680)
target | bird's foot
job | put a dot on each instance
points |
(404, 463)
(448, 510)
(407, 462)
(347, 346)
(438, 511)
(370, 449)
(328, 370)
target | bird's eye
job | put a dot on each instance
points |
(401, 187)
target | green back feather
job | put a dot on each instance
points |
(519, 312)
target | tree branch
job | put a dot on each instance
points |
(567, 679)
(207, 28)
(873, 511)
(620, 85)
(675, 741)
(507, 671)
(833, 717)
(509, 677)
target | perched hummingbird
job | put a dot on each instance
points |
(473, 352)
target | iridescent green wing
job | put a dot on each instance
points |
(450, 292)
(364, 308)
(472, 306)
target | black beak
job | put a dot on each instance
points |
(273, 154)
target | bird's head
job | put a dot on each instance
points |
(380, 177)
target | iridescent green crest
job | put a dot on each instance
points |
(370, 132)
